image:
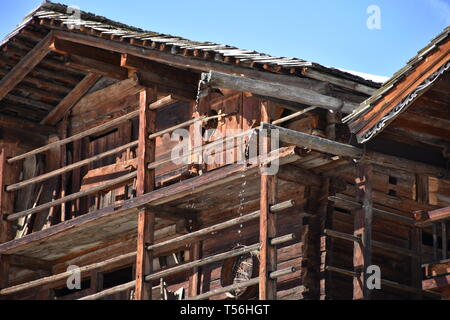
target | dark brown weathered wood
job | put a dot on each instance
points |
(7, 174)
(267, 222)
(71, 99)
(16, 123)
(194, 277)
(160, 196)
(206, 261)
(225, 81)
(25, 65)
(145, 183)
(352, 85)
(64, 275)
(70, 167)
(304, 140)
(191, 237)
(362, 252)
(76, 137)
(274, 275)
(181, 61)
(113, 183)
(95, 66)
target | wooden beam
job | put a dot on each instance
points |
(71, 99)
(304, 140)
(362, 252)
(225, 81)
(344, 83)
(16, 123)
(267, 222)
(25, 65)
(30, 263)
(187, 62)
(8, 173)
(145, 183)
(95, 66)
(114, 92)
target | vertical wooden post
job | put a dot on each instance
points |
(362, 252)
(422, 197)
(63, 163)
(444, 240)
(194, 278)
(145, 183)
(267, 227)
(8, 175)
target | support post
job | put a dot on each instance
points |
(145, 183)
(8, 175)
(362, 253)
(268, 221)
(194, 278)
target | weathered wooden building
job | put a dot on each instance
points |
(89, 185)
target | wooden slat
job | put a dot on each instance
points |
(25, 65)
(71, 99)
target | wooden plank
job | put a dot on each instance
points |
(16, 123)
(25, 65)
(95, 66)
(225, 81)
(182, 62)
(71, 99)
(267, 223)
(194, 278)
(362, 252)
(145, 183)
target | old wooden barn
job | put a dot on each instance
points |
(89, 185)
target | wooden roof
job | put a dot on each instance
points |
(68, 70)
(424, 78)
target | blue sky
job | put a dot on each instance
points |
(330, 32)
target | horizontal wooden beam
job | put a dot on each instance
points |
(187, 62)
(95, 66)
(25, 65)
(304, 140)
(344, 83)
(430, 217)
(16, 123)
(308, 97)
(30, 263)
